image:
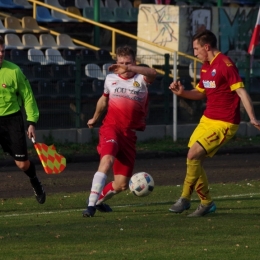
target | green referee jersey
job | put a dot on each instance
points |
(15, 91)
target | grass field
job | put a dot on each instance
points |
(138, 228)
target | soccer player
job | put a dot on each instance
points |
(221, 84)
(15, 91)
(126, 98)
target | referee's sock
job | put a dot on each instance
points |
(31, 171)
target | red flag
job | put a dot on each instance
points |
(255, 36)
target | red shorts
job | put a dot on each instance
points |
(120, 144)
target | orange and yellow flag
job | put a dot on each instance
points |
(52, 162)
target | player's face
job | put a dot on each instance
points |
(2, 54)
(201, 52)
(126, 60)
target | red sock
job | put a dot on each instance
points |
(107, 193)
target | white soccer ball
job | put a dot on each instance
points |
(141, 184)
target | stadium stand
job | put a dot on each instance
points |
(68, 54)
(54, 56)
(122, 15)
(55, 3)
(107, 15)
(63, 17)
(88, 12)
(43, 15)
(65, 41)
(81, 4)
(31, 40)
(105, 68)
(58, 72)
(9, 4)
(125, 4)
(48, 41)
(67, 3)
(4, 30)
(24, 3)
(20, 57)
(92, 70)
(103, 56)
(191, 70)
(66, 88)
(111, 4)
(38, 56)
(40, 72)
(30, 23)
(73, 10)
(98, 86)
(46, 88)
(88, 56)
(91, 3)
(12, 41)
(14, 23)
(133, 14)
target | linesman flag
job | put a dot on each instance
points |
(52, 162)
(255, 36)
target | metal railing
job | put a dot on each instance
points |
(114, 33)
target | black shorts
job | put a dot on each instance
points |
(12, 136)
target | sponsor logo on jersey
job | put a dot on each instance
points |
(111, 141)
(136, 84)
(209, 84)
(213, 72)
(114, 83)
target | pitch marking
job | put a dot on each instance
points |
(68, 211)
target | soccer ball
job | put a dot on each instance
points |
(141, 184)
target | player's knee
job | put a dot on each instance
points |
(23, 165)
(106, 163)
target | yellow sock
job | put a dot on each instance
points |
(202, 188)
(192, 175)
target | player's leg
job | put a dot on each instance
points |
(14, 143)
(107, 148)
(193, 173)
(122, 168)
(216, 135)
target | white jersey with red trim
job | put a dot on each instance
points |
(128, 101)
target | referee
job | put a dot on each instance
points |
(15, 91)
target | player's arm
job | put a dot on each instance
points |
(248, 105)
(100, 108)
(149, 73)
(178, 89)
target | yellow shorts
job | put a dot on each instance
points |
(212, 134)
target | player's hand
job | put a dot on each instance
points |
(255, 123)
(91, 122)
(176, 87)
(31, 132)
(118, 68)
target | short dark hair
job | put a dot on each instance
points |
(2, 42)
(125, 51)
(205, 37)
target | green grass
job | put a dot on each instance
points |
(138, 228)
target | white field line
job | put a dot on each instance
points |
(124, 206)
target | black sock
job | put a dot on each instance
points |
(31, 172)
